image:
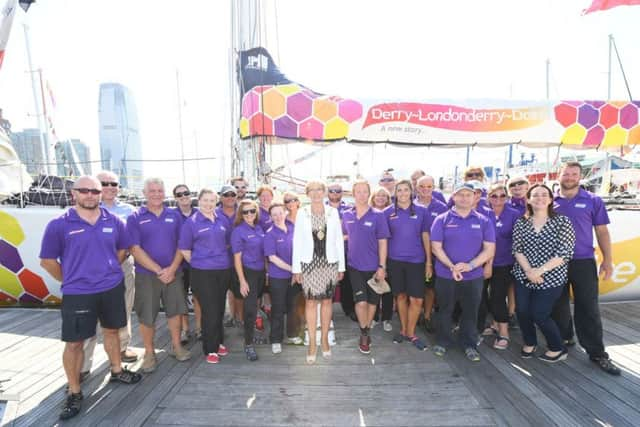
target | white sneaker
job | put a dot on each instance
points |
(295, 341)
(276, 348)
(386, 325)
(373, 324)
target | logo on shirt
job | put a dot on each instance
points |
(280, 240)
(475, 225)
(434, 213)
(368, 223)
(499, 224)
(202, 230)
(144, 221)
(107, 229)
(168, 220)
(581, 205)
(72, 232)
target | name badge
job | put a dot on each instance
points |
(434, 213)
(251, 236)
(107, 230)
(368, 223)
(581, 205)
(280, 240)
(475, 225)
(72, 232)
(168, 220)
(350, 222)
(413, 216)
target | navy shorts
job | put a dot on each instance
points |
(81, 313)
(361, 290)
(406, 278)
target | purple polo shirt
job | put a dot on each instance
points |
(518, 204)
(364, 233)
(156, 235)
(439, 196)
(87, 253)
(229, 220)
(185, 217)
(461, 239)
(265, 220)
(504, 236)
(342, 207)
(249, 241)
(208, 242)
(405, 243)
(279, 243)
(585, 210)
(435, 208)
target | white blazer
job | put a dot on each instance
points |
(303, 239)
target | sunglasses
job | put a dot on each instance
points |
(182, 193)
(249, 212)
(513, 184)
(93, 191)
(498, 196)
(290, 200)
(474, 174)
(335, 191)
(229, 195)
(387, 179)
(238, 187)
(109, 184)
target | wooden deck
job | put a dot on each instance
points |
(394, 386)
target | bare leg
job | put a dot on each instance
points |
(415, 306)
(147, 333)
(239, 310)
(112, 348)
(174, 330)
(310, 316)
(403, 312)
(362, 312)
(326, 312)
(371, 312)
(511, 299)
(72, 363)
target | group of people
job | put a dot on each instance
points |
(472, 261)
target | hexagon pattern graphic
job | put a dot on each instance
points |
(292, 111)
(18, 283)
(598, 123)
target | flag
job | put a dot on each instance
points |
(608, 4)
(6, 19)
(25, 4)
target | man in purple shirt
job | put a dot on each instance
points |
(518, 187)
(154, 231)
(587, 213)
(83, 249)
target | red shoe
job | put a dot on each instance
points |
(365, 344)
(222, 351)
(267, 311)
(212, 358)
(259, 324)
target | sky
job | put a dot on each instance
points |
(401, 50)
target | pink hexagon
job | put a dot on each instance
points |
(608, 116)
(349, 110)
(260, 124)
(566, 114)
(629, 116)
(299, 106)
(250, 104)
(286, 127)
(594, 136)
(311, 128)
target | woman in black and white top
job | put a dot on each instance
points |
(543, 244)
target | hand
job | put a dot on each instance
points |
(535, 276)
(428, 271)
(340, 276)
(166, 275)
(297, 278)
(380, 273)
(462, 267)
(606, 270)
(457, 275)
(244, 288)
(487, 271)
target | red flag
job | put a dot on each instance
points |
(6, 19)
(608, 4)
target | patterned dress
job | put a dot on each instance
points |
(319, 278)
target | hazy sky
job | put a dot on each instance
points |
(360, 49)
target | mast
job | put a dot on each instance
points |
(547, 67)
(184, 175)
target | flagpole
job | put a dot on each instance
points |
(184, 175)
(548, 67)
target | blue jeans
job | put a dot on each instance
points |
(534, 307)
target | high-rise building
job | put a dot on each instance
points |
(120, 147)
(73, 157)
(27, 145)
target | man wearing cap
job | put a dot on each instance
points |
(518, 187)
(462, 241)
(92, 291)
(154, 231)
(110, 202)
(587, 213)
(388, 182)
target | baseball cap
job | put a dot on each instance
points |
(464, 186)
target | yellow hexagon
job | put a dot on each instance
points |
(615, 137)
(273, 103)
(10, 283)
(336, 129)
(574, 135)
(289, 89)
(244, 127)
(10, 229)
(324, 109)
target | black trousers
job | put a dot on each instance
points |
(295, 310)
(346, 295)
(496, 294)
(255, 279)
(583, 279)
(210, 288)
(282, 300)
(384, 310)
(468, 294)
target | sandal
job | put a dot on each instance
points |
(125, 376)
(497, 344)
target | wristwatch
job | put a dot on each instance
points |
(381, 266)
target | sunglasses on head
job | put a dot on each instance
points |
(513, 184)
(182, 193)
(290, 200)
(473, 174)
(93, 191)
(498, 196)
(335, 191)
(386, 180)
(229, 194)
(109, 184)
(248, 211)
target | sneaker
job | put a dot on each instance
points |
(267, 310)
(251, 354)
(439, 350)
(417, 342)
(229, 322)
(148, 363)
(212, 358)
(558, 358)
(365, 344)
(184, 337)
(398, 338)
(607, 365)
(71, 406)
(222, 351)
(373, 324)
(125, 376)
(128, 356)
(472, 354)
(386, 325)
(276, 348)
(181, 354)
(259, 324)
(295, 341)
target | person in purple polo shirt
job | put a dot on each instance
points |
(415, 176)
(426, 197)
(84, 249)
(265, 199)
(380, 200)
(388, 182)
(472, 174)
(248, 260)
(154, 231)
(408, 249)
(204, 242)
(462, 241)
(227, 210)
(278, 248)
(367, 232)
(587, 213)
(518, 187)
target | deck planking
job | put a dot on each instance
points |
(395, 385)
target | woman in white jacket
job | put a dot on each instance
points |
(318, 262)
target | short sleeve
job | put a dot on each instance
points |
(488, 231)
(185, 242)
(437, 229)
(599, 214)
(52, 242)
(517, 245)
(566, 239)
(124, 241)
(236, 240)
(382, 228)
(269, 244)
(133, 230)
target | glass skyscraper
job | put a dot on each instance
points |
(120, 147)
